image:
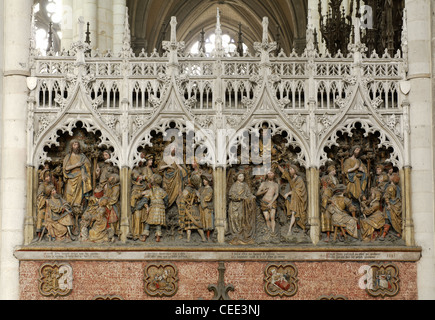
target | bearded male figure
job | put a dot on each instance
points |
(77, 174)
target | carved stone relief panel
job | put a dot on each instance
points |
(267, 200)
(161, 280)
(281, 280)
(383, 280)
(55, 280)
(78, 191)
(360, 190)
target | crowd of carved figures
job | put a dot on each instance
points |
(78, 198)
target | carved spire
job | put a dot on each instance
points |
(80, 46)
(201, 45)
(173, 30)
(88, 38)
(126, 40)
(219, 49)
(265, 47)
(240, 50)
(310, 33)
(50, 38)
(265, 30)
(173, 46)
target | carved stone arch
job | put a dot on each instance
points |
(358, 107)
(277, 127)
(172, 107)
(266, 105)
(184, 125)
(68, 125)
(349, 125)
(78, 108)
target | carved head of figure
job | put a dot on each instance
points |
(379, 169)
(107, 155)
(53, 192)
(48, 190)
(389, 168)
(157, 180)
(376, 194)
(270, 175)
(149, 160)
(395, 178)
(241, 177)
(75, 146)
(294, 170)
(332, 170)
(207, 179)
(114, 179)
(46, 175)
(355, 151)
(195, 181)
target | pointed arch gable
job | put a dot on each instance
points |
(172, 108)
(359, 108)
(265, 108)
(78, 108)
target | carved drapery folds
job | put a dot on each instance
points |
(132, 114)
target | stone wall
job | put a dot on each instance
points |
(126, 280)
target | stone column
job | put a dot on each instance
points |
(77, 12)
(422, 140)
(17, 21)
(125, 203)
(105, 25)
(220, 202)
(408, 225)
(118, 24)
(314, 205)
(313, 5)
(67, 24)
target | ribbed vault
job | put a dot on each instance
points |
(149, 21)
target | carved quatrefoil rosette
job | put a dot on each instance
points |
(108, 298)
(161, 280)
(383, 280)
(281, 280)
(55, 280)
(332, 298)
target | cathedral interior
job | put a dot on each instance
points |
(271, 134)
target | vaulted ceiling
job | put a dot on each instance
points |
(149, 20)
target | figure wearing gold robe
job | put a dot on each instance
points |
(174, 176)
(374, 218)
(113, 210)
(356, 174)
(99, 232)
(393, 203)
(43, 194)
(339, 208)
(141, 181)
(77, 174)
(189, 208)
(328, 184)
(297, 206)
(58, 217)
(207, 205)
